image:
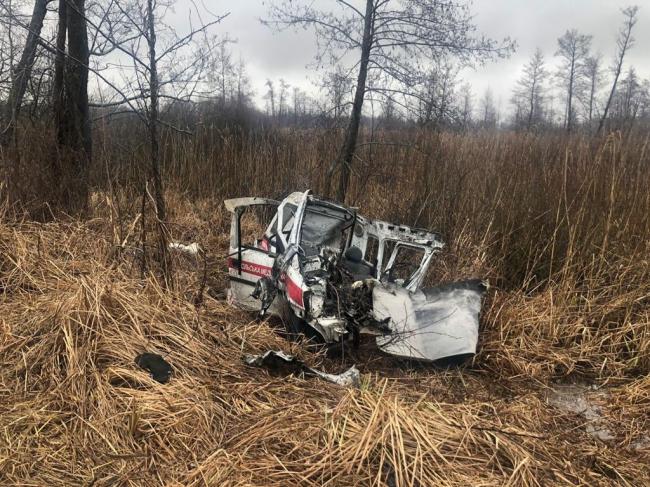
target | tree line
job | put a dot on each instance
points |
(578, 82)
(396, 63)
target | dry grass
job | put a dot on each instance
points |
(76, 410)
(561, 226)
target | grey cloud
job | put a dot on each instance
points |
(533, 23)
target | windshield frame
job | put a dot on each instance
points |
(348, 217)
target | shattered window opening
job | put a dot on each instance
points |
(372, 250)
(288, 218)
(403, 263)
(324, 227)
(252, 223)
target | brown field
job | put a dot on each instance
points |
(559, 225)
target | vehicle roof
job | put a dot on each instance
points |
(381, 229)
(403, 233)
(234, 203)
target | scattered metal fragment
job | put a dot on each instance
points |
(342, 275)
(280, 361)
(158, 367)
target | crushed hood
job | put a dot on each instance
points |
(431, 323)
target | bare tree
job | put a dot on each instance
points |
(221, 71)
(22, 72)
(73, 118)
(593, 72)
(549, 109)
(282, 98)
(393, 41)
(467, 105)
(59, 70)
(165, 67)
(243, 84)
(338, 87)
(122, 29)
(530, 87)
(299, 104)
(631, 87)
(388, 112)
(7, 47)
(644, 101)
(437, 101)
(270, 96)
(573, 49)
(488, 109)
(629, 100)
(153, 122)
(70, 165)
(623, 43)
(13, 25)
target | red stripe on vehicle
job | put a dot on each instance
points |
(294, 291)
(250, 268)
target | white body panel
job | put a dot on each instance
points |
(442, 322)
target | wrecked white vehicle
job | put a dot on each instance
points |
(333, 275)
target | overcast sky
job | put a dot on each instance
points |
(532, 23)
